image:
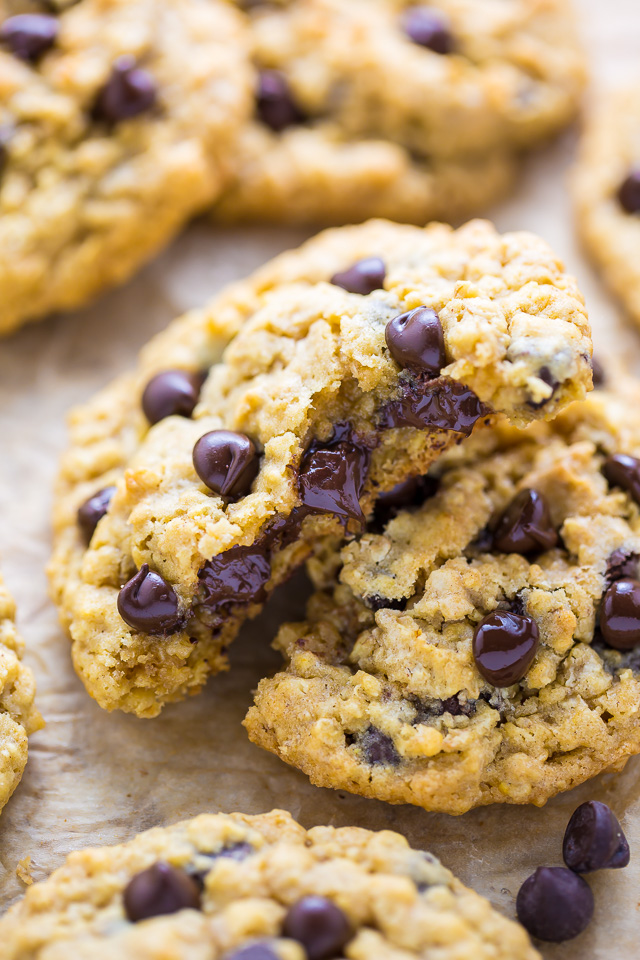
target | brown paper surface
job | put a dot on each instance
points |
(95, 778)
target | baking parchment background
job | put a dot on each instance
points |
(96, 778)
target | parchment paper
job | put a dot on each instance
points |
(95, 778)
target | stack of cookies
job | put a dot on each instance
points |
(408, 411)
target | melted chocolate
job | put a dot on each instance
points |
(333, 474)
(442, 403)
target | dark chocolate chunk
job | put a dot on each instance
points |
(275, 103)
(629, 193)
(554, 904)
(29, 35)
(525, 526)
(377, 748)
(160, 890)
(128, 92)
(148, 603)
(255, 951)
(620, 565)
(91, 512)
(594, 839)
(363, 277)
(443, 403)
(319, 925)
(416, 341)
(620, 614)
(226, 462)
(409, 493)
(599, 376)
(621, 470)
(171, 393)
(428, 28)
(332, 475)
(504, 646)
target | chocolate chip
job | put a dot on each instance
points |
(226, 462)
(416, 341)
(319, 925)
(525, 526)
(160, 890)
(172, 393)
(599, 376)
(332, 475)
(376, 602)
(620, 614)
(377, 748)
(428, 28)
(594, 839)
(547, 377)
(409, 493)
(363, 277)
(275, 104)
(91, 512)
(443, 403)
(621, 470)
(504, 646)
(29, 35)
(237, 576)
(128, 92)
(255, 951)
(629, 193)
(554, 904)
(235, 851)
(426, 711)
(148, 603)
(621, 564)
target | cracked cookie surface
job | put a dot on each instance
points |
(114, 130)
(606, 191)
(388, 108)
(390, 689)
(329, 419)
(18, 715)
(237, 886)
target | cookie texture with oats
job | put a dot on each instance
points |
(384, 693)
(391, 108)
(113, 132)
(606, 191)
(333, 418)
(18, 715)
(240, 886)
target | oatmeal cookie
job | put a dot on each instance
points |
(116, 117)
(18, 715)
(194, 487)
(481, 643)
(257, 888)
(391, 108)
(606, 189)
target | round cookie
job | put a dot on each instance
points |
(469, 649)
(606, 190)
(257, 888)
(166, 542)
(116, 118)
(18, 715)
(388, 108)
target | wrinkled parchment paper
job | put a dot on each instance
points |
(95, 778)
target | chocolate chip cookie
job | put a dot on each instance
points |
(481, 642)
(116, 117)
(398, 109)
(18, 715)
(193, 487)
(257, 888)
(606, 189)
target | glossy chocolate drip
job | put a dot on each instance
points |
(333, 474)
(442, 403)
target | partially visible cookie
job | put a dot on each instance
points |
(257, 888)
(357, 360)
(392, 108)
(606, 190)
(18, 715)
(481, 643)
(116, 118)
